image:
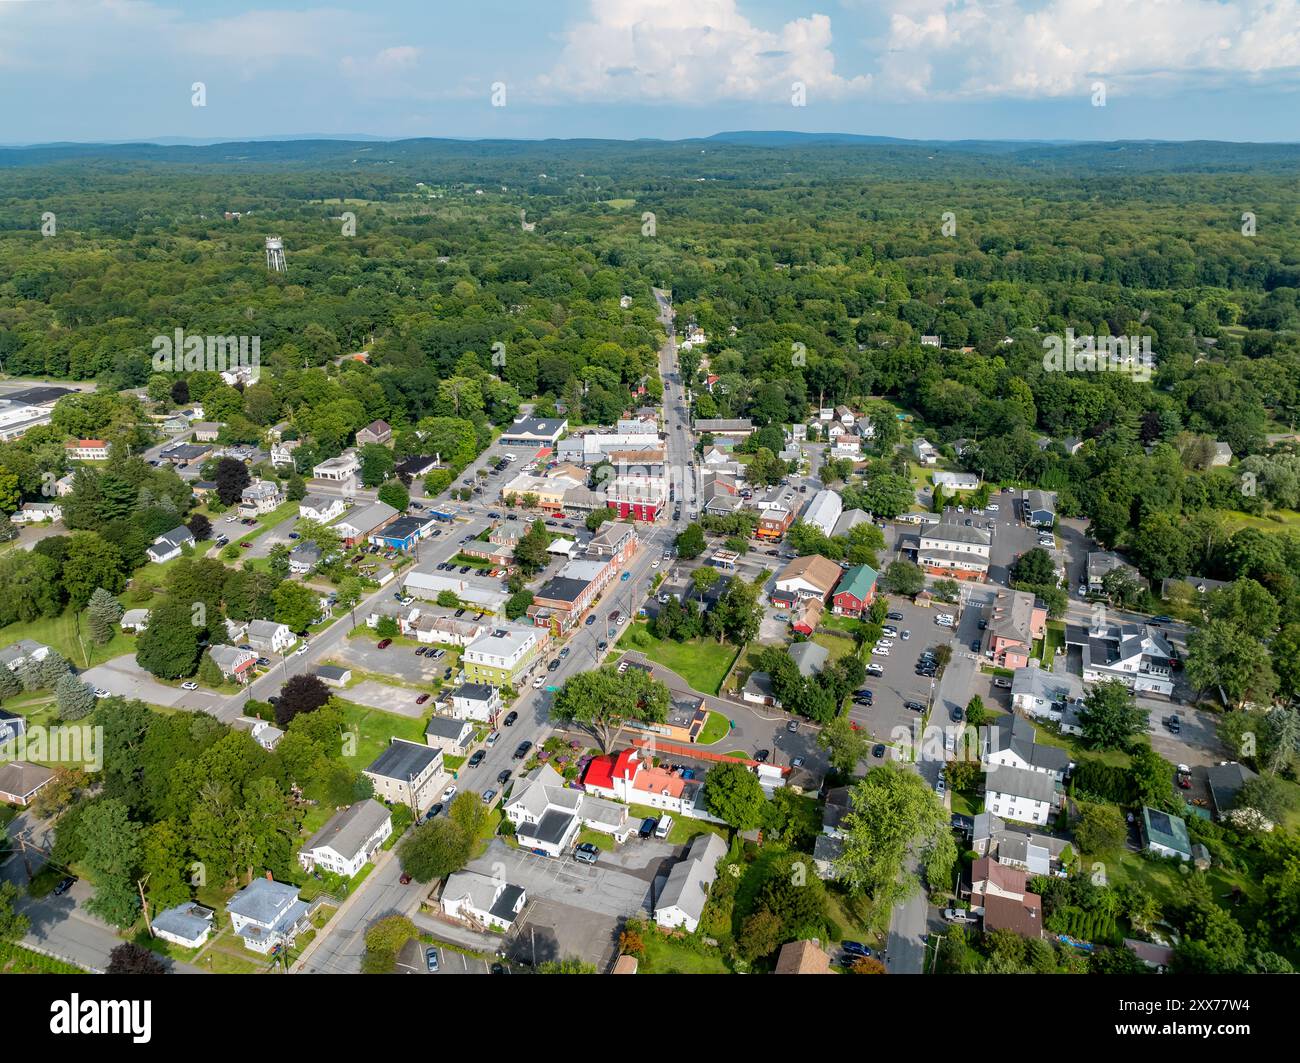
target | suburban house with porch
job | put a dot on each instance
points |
(348, 840)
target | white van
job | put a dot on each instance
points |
(665, 825)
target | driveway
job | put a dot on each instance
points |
(124, 677)
(397, 700)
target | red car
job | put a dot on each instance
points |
(405, 879)
(384, 644)
(245, 546)
(422, 699)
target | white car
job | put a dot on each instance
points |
(889, 629)
(880, 651)
(654, 563)
(190, 686)
(449, 793)
(992, 507)
(301, 650)
(537, 683)
(885, 643)
(905, 635)
(957, 915)
(231, 519)
(100, 692)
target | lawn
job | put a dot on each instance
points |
(838, 646)
(716, 728)
(1167, 884)
(703, 663)
(60, 632)
(665, 955)
(683, 829)
(376, 728)
(1278, 520)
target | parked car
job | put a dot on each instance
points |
(957, 915)
(878, 750)
(875, 670)
(384, 644)
(489, 796)
(553, 665)
(64, 884)
(647, 827)
(503, 777)
(956, 714)
(762, 755)
(586, 853)
(894, 616)
(431, 958)
(855, 948)
(422, 699)
(404, 879)
(477, 758)
(190, 685)
(510, 719)
(522, 749)
(1173, 724)
(914, 706)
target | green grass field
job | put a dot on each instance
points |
(377, 728)
(60, 632)
(703, 663)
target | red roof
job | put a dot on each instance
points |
(602, 771)
(87, 443)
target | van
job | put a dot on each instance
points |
(665, 825)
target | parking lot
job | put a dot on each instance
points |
(362, 652)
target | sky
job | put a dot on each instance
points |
(109, 70)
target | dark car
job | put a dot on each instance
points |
(384, 644)
(512, 516)
(419, 650)
(422, 699)
(460, 612)
(553, 665)
(1174, 724)
(855, 948)
(914, 706)
(446, 672)
(477, 758)
(404, 879)
(956, 714)
(893, 616)
(647, 827)
(522, 749)
(64, 884)
(503, 777)
(878, 750)
(510, 719)
(975, 645)
(586, 853)
(762, 755)
(500, 968)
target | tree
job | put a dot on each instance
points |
(447, 600)
(739, 613)
(110, 852)
(296, 605)
(435, 849)
(13, 925)
(894, 815)
(386, 627)
(977, 715)
(74, 698)
(733, 794)
(130, 958)
(395, 494)
(690, 542)
(846, 745)
(1034, 567)
(200, 527)
(760, 935)
(169, 646)
(1247, 604)
(1221, 654)
(888, 495)
(518, 604)
(601, 700)
(903, 577)
(703, 578)
(1267, 795)
(89, 563)
(302, 693)
(531, 549)
(1101, 829)
(103, 612)
(1110, 717)
(231, 477)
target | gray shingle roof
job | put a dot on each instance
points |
(348, 831)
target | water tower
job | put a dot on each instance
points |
(275, 254)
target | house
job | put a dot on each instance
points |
(16, 653)
(1039, 508)
(1136, 654)
(1165, 834)
(1222, 454)
(931, 341)
(802, 957)
(338, 470)
(185, 453)
(12, 726)
(134, 620)
(1225, 781)
(956, 481)
(637, 497)
(924, 451)
(404, 532)
(501, 656)
(1190, 586)
(1103, 562)
(1000, 894)
(732, 427)
(348, 840)
(21, 781)
(206, 431)
(485, 902)
(810, 657)
(1157, 957)
(548, 814)
(812, 576)
(332, 675)
(86, 450)
(534, 431)
(1015, 621)
(321, 508)
(1044, 695)
(188, 925)
(236, 630)
(1011, 741)
(415, 466)
(1033, 853)
(282, 453)
(849, 520)
(758, 690)
(476, 701)
(808, 614)
(631, 776)
(268, 915)
(362, 522)
(681, 904)
(169, 544)
(261, 496)
(450, 735)
(234, 663)
(954, 551)
(264, 734)
(269, 636)
(408, 773)
(380, 432)
(854, 592)
(38, 513)
(774, 522)
(1020, 794)
(823, 511)
(304, 557)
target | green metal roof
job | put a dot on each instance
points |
(857, 581)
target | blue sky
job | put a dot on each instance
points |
(947, 69)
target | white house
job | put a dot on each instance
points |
(486, 902)
(268, 915)
(449, 734)
(681, 904)
(322, 508)
(264, 635)
(38, 513)
(476, 701)
(548, 815)
(953, 551)
(408, 773)
(349, 839)
(187, 925)
(13, 655)
(823, 511)
(1010, 741)
(1136, 654)
(134, 620)
(1019, 794)
(924, 451)
(261, 496)
(338, 470)
(169, 544)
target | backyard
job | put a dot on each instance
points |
(703, 663)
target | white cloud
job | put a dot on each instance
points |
(692, 52)
(1031, 48)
